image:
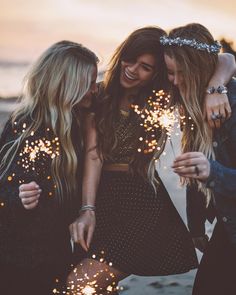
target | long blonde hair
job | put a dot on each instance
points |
(56, 83)
(196, 68)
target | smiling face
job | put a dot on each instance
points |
(174, 73)
(138, 72)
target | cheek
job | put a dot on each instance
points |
(146, 77)
(86, 100)
(171, 78)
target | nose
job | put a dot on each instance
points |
(176, 80)
(133, 67)
(95, 89)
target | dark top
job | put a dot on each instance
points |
(32, 238)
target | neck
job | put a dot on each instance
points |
(128, 98)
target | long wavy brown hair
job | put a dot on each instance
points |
(197, 67)
(142, 41)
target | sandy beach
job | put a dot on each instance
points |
(134, 285)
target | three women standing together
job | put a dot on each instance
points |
(135, 229)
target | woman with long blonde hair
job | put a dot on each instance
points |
(208, 162)
(42, 143)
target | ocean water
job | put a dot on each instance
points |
(11, 77)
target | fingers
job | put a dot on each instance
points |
(77, 231)
(29, 186)
(192, 165)
(31, 205)
(90, 235)
(228, 110)
(187, 157)
(217, 104)
(29, 194)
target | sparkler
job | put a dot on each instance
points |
(85, 285)
(156, 116)
(35, 153)
(35, 150)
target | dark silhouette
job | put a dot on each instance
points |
(227, 46)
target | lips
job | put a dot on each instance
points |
(129, 76)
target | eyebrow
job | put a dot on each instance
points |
(147, 65)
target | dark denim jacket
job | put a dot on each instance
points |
(222, 180)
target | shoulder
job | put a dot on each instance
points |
(232, 92)
(232, 100)
(7, 132)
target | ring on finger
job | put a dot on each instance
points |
(219, 116)
(196, 169)
(214, 116)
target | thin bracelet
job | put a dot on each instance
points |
(87, 207)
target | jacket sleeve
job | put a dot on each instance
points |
(222, 179)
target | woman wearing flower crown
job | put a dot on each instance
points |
(208, 162)
(138, 230)
(42, 142)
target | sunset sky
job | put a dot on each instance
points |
(27, 27)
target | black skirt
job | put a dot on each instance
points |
(138, 231)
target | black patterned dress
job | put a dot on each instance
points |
(35, 249)
(138, 231)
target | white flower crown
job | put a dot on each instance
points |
(212, 48)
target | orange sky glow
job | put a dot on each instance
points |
(27, 27)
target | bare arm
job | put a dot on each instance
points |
(82, 229)
(92, 165)
(218, 103)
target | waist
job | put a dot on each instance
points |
(123, 167)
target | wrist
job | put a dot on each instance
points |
(220, 89)
(87, 208)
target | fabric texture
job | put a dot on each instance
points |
(38, 240)
(216, 274)
(137, 231)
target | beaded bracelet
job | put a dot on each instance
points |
(220, 89)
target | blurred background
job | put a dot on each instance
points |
(28, 27)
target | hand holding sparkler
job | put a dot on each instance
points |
(29, 194)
